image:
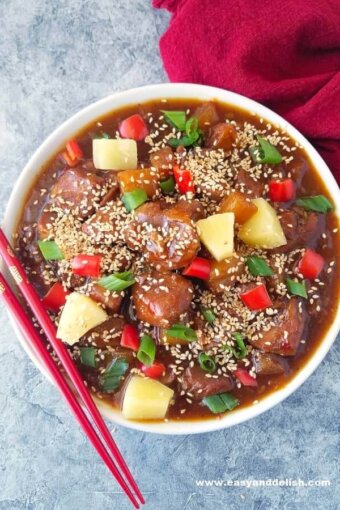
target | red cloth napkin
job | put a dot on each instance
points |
(285, 54)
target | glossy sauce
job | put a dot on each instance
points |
(316, 327)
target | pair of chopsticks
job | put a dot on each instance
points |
(111, 456)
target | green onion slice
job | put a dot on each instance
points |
(296, 288)
(133, 199)
(191, 127)
(265, 153)
(147, 350)
(50, 250)
(208, 315)
(113, 374)
(181, 332)
(192, 135)
(318, 203)
(168, 185)
(221, 402)
(258, 266)
(207, 363)
(185, 141)
(117, 281)
(241, 350)
(101, 134)
(87, 356)
(175, 118)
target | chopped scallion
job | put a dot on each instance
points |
(168, 185)
(87, 356)
(241, 350)
(147, 350)
(296, 288)
(181, 332)
(102, 134)
(175, 118)
(133, 199)
(207, 363)
(265, 153)
(192, 134)
(317, 203)
(221, 402)
(208, 315)
(111, 378)
(191, 127)
(117, 281)
(50, 250)
(258, 266)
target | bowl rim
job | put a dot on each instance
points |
(141, 95)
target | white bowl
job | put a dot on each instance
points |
(139, 95)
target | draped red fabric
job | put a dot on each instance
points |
(284, 54)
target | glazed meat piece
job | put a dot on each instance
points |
(268, 364)
(167, 236)
(162, 160)
(71, 280)
(161, 298)
(239, 204)
(298, 170)
(141, 178)
(194, 381)
(78, 188)
(169, 377)
(81, 189)
(107, 334)
(112, 193)
(206, 114)
(221, 136)
(193, 208)
(285, 334)
(224, 273)
(246, 184)
(111, 301)
(105, 225)
(301, 228)
(46, 221)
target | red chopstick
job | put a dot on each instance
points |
(48, 327)
(41, 351)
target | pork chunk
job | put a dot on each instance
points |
(161, 298)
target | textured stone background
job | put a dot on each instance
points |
(57, 56)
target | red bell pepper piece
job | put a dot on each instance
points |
(67, 158)
(130, 337)
(282, 191)
(74, 150)
(311, 264)
(245, 378)
(134, 127)
(87, 265)
(199, 268)
(73, 153)
(256, 298)
(155, 371)
(55, 297)
(184, 180)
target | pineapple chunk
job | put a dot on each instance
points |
(217, 234)
(263, 229)
(109, 154)
(146, 399)
(79, 315)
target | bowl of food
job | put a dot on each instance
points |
(185, 241)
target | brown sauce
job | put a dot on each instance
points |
(318, 322)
